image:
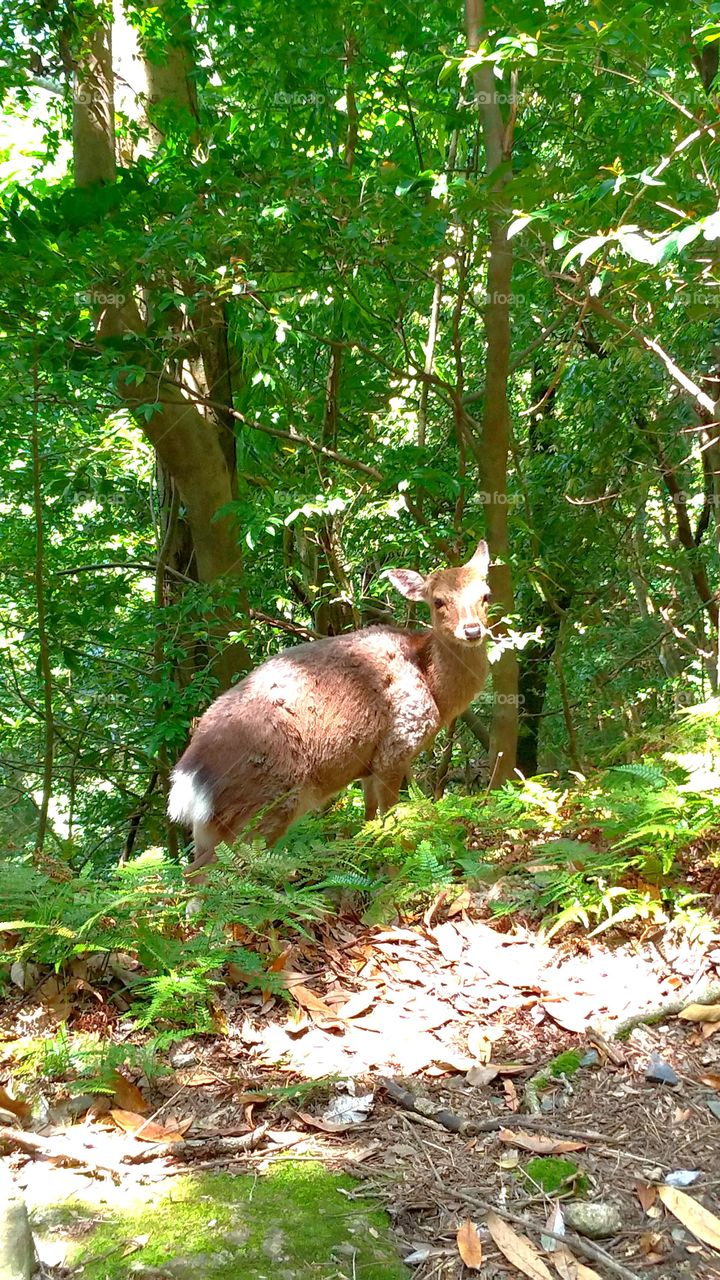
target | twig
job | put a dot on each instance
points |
(591, 1251)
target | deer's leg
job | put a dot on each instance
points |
(206, 838)
(382, 791)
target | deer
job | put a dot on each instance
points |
(320, 715)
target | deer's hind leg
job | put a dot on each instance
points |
(382, 790)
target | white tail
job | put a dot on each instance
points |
(304, 724)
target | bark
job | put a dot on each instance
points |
(196, 445)
(496, 419)
(43, 638)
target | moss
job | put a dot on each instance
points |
(293, 1224)
(552, 1174)
(566, 1064)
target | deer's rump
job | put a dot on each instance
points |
(302, 726)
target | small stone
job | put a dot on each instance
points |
(595, 1220)
(590, 1059)
(660, 1072)
(17, 1251)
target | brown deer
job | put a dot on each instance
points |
(359, 706)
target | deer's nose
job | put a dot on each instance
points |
(473, 630)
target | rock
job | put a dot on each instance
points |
(17, 1251)
(595, 1220)
(660, 1072)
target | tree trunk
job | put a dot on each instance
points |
(197, 448)
(496, 419)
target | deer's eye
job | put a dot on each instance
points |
(439, 604)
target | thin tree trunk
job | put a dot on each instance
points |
(434, 324)
(496, 418)
(43, 640)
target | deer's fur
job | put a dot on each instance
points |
(360, 706)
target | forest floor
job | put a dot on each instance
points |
(467, 1075)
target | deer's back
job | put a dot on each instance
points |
(321, 709)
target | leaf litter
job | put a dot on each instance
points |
(440, 1030)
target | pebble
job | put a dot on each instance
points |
(595, 1220)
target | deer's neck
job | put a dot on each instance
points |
(455, 674)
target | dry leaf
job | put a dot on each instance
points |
(517, 1249)
(460, 904)
(327, 1126)
(711, 1080)
(126, 1095)
(480, 1043)
(568, 1267)
(571, 1016)
(480, 1076)
(469, 1245)
(449, 942)
(311, 1002)
(512, 1100)
(646, 1194)
(539, 1143)
(700, 1013)
(693, 1215)
(358, 1003)
(14, 1105)
(148, 1130)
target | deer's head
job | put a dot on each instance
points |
(457, 598)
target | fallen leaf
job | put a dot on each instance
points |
(460, 904)
(700, 1013)
(517, 1249)
(449, 942)
(568, 1267)
(480, 1076)
(708, 1029)
(539, 1143)
(126, 1095)
(572, 1017)
(308, 1000)
(555, 1224)
(470, 1245)
(511, 1096)
(327, 1126)
(358, 1003)
(148, 1130)
(646, 1194)
(693, 1215)
(480, 1043)
(711, 1080)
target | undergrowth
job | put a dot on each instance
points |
(596, 851)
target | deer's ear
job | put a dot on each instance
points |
(409, 583)
(480, 559)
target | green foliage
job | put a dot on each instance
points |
(555, 1175)
(85, 1063)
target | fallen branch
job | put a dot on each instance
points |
(52, 1149)
(709, 995)
(578, 1243)
(460, 1124)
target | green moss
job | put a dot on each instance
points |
(566, 1064)
(294, 1224)
(551, 1174)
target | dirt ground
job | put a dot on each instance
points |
(451, 1067)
